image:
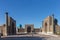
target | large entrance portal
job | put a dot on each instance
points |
(28, 29)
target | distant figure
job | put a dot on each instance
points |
(32, 33)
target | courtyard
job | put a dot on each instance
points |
(30, 37)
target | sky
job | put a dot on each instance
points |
(29, 11)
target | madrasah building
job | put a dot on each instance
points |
(9, 28)
(28, 28)
(49, 26)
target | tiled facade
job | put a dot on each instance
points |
(49, 25)
(10, 27)
(29, 28)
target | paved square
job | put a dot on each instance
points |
(30, 37)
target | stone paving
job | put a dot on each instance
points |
(30, 37)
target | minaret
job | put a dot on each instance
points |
(53, 23)
(6, 23)
(7, 18)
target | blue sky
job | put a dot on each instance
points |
(29, 11)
